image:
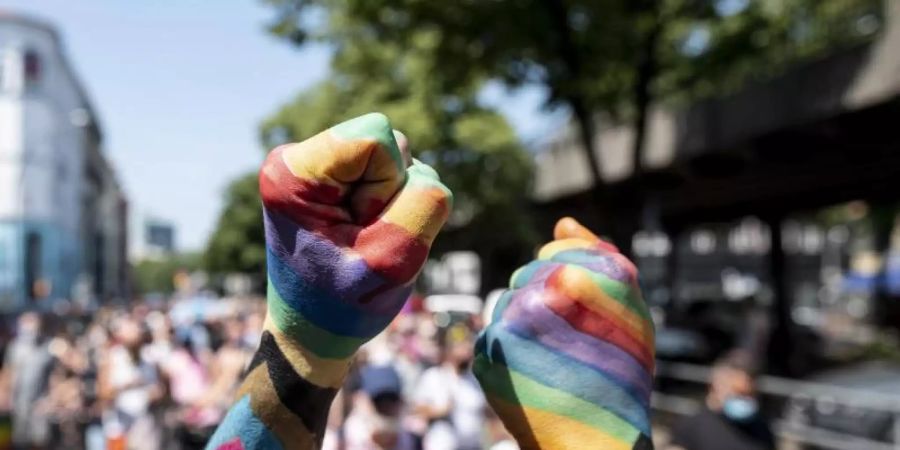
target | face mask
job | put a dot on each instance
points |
(739, 408)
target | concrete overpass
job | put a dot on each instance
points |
(821, 133)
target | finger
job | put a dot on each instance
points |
(403, 145)
(550, 249)
(398, 242)
(359, 151)
(422, 206)
(568, 227)
(369, 199)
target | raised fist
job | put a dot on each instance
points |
(567, 361)
(349, 220)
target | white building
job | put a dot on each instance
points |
(62, 213)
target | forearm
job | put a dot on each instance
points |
(349, 219)
(285, 396)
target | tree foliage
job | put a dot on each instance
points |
(424, 62)
(743, 40)
(238, 242)
(591, 49)
(599, 58)
(158, 275)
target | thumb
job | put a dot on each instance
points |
(569, 228)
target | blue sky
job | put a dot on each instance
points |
(180, 87)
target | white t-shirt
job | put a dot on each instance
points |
(135, 399)
(441, 387)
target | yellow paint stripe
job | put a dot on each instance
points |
(324, 372)
(535, 429)
(264, 402)
(576, 284)
(325, 159)
(550, 249)
(419, 211)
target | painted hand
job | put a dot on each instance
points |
(349, 220)
(567, 361)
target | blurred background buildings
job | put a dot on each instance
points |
(63, 215)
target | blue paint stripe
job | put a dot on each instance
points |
(323, 310)
(242, 423)
(561, 372)
(630, 386)
(526, 273)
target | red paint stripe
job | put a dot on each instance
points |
(391, 251)
(607, 328)
(370, 210)
(234, 444)
(297, 198)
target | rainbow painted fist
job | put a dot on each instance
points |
(567, 361)
(349, 220)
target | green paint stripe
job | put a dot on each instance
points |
(374, 126)
(419, 181)
(291, 323)
(619, 291)
(515, 388)
(424, 169)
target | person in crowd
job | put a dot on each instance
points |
(26, 379)
(188, 381)
(730, 418)
(64, 402)
(95, 343)
(131, 386)
(376, 419)
(228, 363)
(450, 399)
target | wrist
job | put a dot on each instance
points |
(278, 347)
(291, 389)
(316, 340)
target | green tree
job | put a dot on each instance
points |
(613, 57)
(158, 275)
(238, 242)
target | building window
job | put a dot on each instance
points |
(32, 67)
(33, 257)
(703, 241)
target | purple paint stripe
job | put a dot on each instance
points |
(327, 267)
(596, 261)
(529, 317)
(535, 273)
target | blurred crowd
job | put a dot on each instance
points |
(412, 388)
(162, 377)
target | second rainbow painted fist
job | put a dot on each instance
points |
(567, 361)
